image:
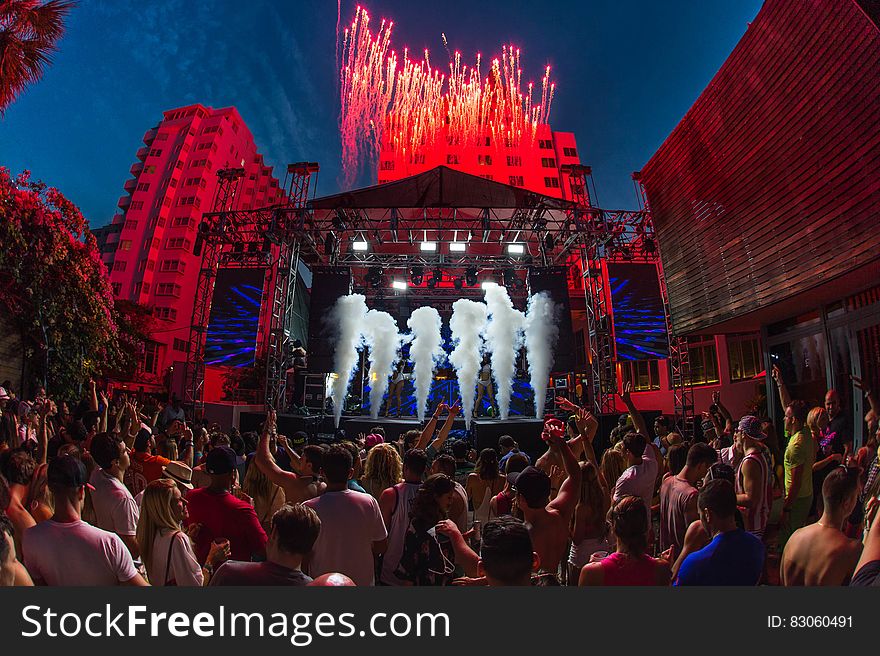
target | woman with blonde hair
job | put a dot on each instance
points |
(383, 469)
(40, 503)
(589, 526)
(267, 496)
(612, 466)
(829, 453)
(166, 549)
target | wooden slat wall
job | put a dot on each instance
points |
(770, 184)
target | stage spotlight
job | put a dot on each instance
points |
(458, 283)
(399, 285)
(516, 249)
(428, 246)
(417, 275)
(470, 277)
(457, 247)
(509, 278)
(360, 245)
(488, 284)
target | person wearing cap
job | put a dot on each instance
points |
(115, 507)
(754, 483)
(549, 521)
(220, 514)
(145, 467)
(65, 550)
(821, 553)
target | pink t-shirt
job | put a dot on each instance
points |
(76, 553)
(350, 523)
(638, 480)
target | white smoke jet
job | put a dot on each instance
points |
(425, 351)
(468, 322)
(503, 339)
(347, 317)
(383, 339)
(541, 332)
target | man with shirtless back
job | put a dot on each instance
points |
(821, 554)
(297, 487)
(548, 521)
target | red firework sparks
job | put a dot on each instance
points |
(409, 106)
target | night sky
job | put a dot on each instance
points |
(626, 71)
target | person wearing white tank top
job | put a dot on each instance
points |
(395, 504)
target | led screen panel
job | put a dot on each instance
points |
(637, 308)
(235, 318)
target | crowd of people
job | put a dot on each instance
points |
(104, 493)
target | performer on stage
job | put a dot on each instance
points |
(398, 379)
(484, 384)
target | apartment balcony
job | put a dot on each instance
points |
(136, 168)
(124, 202)
(150, 134)
(130, 185)
(142, 153)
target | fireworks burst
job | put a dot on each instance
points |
(408, 106)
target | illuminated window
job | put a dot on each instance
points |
(484, 160)
(703, 358)
(150, 169)
(643, 374)
(744, 356)
(551, 182)
(125, 245)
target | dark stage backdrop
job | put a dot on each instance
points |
(235, 318)
(554, 282)
(327, 286)
(637, 306)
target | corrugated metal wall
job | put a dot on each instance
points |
(770, 184)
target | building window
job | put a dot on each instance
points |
(174, 266)
(514, 160)
(189, 200)
(744, 356)
(484, 160)
(548, 162)
(570, 152)
(551, 182)
(182, 221)
(125, 245)
(703, 358)
(151, 358)
(131, 224)
(204, 146)
(486, 176)
(117, 288)
(162, 136)
(643, 374)
(515, 180)
(136, 205)
(180, 345)
(150, 169)
(119, 265)
(416, 159)
(143, 186)
(155, 152)
(179, 242)
(452, 159)
(165, 313)
(168, 289)
(546, 144)
(488, 141)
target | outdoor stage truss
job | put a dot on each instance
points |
(267, 239)
(679, 355)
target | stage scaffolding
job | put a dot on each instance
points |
(393, 220)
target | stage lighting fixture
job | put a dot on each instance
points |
(488, 284)
(373, 278)
(428, 246)
(516, 249)
(470, 277)
(458, 283)
(509, 278)
(457, 247)
(399, 285)
(436, 277)
(417, 275)
(360, 245)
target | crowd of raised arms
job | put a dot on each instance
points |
(107, 492)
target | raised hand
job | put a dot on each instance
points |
(716, 397)
(455, 409)
(776, 374)
(282, 440)
(566, 405)
(858, 383)
(626, 393)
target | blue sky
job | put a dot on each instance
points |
(626, 72)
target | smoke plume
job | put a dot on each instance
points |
(468, 323)
(425, 351)
(383, 339)
(347, 316)
(503, 339)
(541, 333)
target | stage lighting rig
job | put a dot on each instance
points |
(458, 283)
(509, 278)
(417, 275)
(434, 280)
(373, 278)
(470, 277)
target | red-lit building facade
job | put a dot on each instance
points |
(149, 245)
(766, 199)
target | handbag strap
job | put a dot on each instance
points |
(168, 561)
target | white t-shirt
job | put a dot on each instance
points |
(115, 508)
(638, 480)
(350, 523)
(76, 553)
(184, 569)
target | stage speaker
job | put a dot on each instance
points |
(553, 281)
(327, 287)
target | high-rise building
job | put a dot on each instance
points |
(534, 164)
(173, 184)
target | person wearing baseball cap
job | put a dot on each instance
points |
(754, 484)
(67, 551)
(221, 514)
